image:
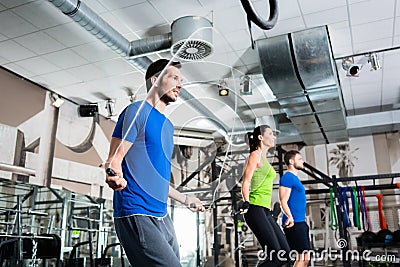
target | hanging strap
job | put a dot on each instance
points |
(250, 31)
(356, 212)
(333, 223)
(346, 207)
(382, 220)
(363, 209)
(366, 209)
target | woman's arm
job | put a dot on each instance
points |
(249, 169)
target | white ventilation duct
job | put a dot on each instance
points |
(179, 40)
(191, 38)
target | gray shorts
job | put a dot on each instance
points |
(148, 241)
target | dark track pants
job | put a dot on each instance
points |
(148, 241)
(269, 234)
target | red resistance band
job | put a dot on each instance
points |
(382, 221)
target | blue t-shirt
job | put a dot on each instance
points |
(297, 199)
(147, 164)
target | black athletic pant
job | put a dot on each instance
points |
(269, 234)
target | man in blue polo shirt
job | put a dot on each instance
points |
(139, 171)
(293, 200)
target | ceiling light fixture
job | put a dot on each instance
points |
(370, 56)
(374, 61)
(346, 63)
(352, 69)
(223, 89)
(132, 98)
(110, 107)
(223, 92)
(245, 88)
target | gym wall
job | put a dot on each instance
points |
(25, 119)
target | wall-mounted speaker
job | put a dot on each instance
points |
(88, 110)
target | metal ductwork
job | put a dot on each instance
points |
(191, 38)
(179, 40)
(88, 19)
(300, 70)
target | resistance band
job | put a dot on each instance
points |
(354, 202)
(382, 220)
(333, 223)
(364, 209)
(345, 205)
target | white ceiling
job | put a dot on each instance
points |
(40, 43)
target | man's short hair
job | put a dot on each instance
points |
(156, 68)
(290, 155)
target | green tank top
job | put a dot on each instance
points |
(261, 185)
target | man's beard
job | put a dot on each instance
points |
(167, 99)
(298, 167)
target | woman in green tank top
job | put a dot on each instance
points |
(257, 185)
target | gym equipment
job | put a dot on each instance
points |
(106, 262)
(44, 246)
(333, 224)
(364, 209)
(344, 205)
(367, 238)
(385, 236)
(73, 261)
(382, 220)
(355, 206)
(396, 236)
(253, 16)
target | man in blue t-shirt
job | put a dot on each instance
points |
(293, 200)
(139, 169)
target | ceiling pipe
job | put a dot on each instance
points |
(149, 45)
(88, 19)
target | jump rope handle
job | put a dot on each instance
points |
(110, 172)
(193, 206)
